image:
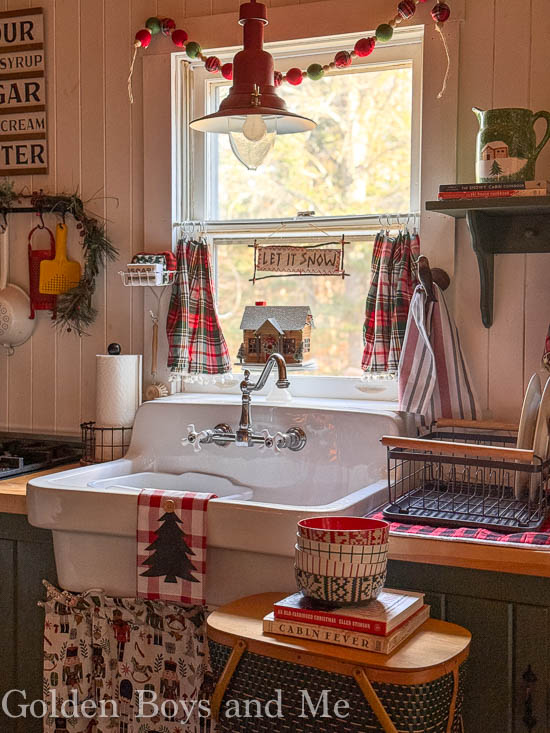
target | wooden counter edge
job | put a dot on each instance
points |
(13, 490)
(475, 555)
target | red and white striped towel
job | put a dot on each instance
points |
(434, 380)
(171, 545)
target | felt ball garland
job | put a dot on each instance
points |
(440, 13)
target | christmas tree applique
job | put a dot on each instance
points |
(496, 169)
(170, 550)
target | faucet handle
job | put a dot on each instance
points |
(194, 438)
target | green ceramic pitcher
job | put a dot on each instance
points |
(507, 147)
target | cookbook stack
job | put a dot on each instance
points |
(340, 567)
(380, 626)
(493, 189)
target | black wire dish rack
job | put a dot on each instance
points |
(468, 476)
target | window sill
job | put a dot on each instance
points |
(314, 389)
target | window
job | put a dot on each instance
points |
(361, 161)
(289, 346)
(252, 345)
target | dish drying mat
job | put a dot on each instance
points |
(541, 537)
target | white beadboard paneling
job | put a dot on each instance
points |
(92, 131)
(537, 269)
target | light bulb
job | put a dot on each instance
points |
(254, 129)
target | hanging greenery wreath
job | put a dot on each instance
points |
(75, 310)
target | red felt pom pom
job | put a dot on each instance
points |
(143, 37)
(180, 37)
(294, 76)
(227, 71)
(441, 12)
(278, 78)
(213, 64)
(365, 46)
(167, 26)
(342, 59)
(406, 8)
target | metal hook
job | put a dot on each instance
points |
(42, 225)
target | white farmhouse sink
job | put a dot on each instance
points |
(252, 525)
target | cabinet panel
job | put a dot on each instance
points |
(7, 627)
(531, 650)
(488, 688)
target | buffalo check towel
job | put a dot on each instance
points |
(171, 546)
(434, 380)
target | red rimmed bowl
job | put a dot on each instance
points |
(345, 530)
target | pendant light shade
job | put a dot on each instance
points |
(253, 114)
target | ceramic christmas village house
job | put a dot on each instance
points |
(285, 329)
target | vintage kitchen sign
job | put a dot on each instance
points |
(318, 259)
(23, 133)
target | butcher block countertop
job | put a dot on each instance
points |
(13, 490)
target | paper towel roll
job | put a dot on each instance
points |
(118, 389)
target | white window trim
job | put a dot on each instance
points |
(406, 47)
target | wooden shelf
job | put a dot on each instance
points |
(510, 225)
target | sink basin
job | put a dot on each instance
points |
(190, 481)
(262, 495)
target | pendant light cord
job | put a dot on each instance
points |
(448, 70)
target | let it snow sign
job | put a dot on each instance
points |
(23, 135)
(290, 260)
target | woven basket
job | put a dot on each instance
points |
(422, 708)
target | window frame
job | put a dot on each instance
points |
(194, 94)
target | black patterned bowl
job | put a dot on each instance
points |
(340, 591)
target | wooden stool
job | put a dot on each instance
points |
(417, 688)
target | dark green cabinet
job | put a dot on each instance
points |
(26, 557)
(507, 688)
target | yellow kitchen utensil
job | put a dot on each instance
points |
(59, 275)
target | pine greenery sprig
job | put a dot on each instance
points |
(75, 310)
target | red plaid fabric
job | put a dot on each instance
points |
(195, 339)
(404, 282)
(542, 537)
(393, 281)
(190, 510)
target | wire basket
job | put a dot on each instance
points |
(468, 478)
(103, 444)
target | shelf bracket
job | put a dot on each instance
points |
(486, 264)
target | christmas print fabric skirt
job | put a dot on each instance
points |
(124, 657)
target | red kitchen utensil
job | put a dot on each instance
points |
(40, 301)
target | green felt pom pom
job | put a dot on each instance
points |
(193, 49)
(384, 32)
(315, 72)
(153, 25)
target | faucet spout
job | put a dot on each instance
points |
(282, 379)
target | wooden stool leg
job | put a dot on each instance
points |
(452, 707)
(373, 700)
(229, 669)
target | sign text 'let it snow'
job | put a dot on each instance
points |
(23, 133)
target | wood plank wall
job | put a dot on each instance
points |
(96, 146)
(503, 63)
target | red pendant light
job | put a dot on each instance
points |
(253, 114)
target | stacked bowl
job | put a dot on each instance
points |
(341, 561)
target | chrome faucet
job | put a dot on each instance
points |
(244, 433)
(294, 439)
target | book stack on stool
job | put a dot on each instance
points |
(305, 662)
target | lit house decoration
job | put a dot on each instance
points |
(283, 329)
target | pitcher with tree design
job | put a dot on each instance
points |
(507, 149)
